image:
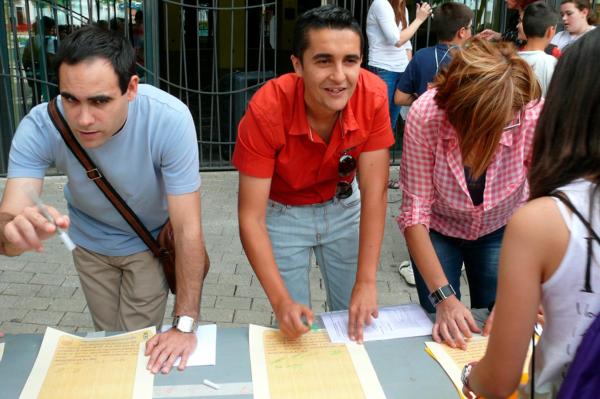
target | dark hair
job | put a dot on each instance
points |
(329, 16)
(94, 42)
(449, 18)
(582, 5)
(47, 24)
(567, 138)
(537, 18)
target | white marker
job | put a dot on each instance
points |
(211, 384)
(44, 211)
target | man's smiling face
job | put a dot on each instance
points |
(330, 67)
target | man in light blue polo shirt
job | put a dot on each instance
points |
(143, 141)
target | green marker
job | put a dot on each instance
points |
(313, 326)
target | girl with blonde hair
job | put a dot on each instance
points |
(466, 153)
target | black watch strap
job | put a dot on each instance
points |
(441, 294)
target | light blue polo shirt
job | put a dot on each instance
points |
(155, 154)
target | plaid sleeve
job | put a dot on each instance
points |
(531, 117)
(416, 170)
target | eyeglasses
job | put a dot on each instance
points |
(346, 166)
(513, 125)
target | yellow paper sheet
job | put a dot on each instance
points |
(453, 360)
(69, 366)
(310, 367)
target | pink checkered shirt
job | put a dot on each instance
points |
(434, 188)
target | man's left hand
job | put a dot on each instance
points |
(164, 348)
(363, 306)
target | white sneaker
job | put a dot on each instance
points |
(405, 269)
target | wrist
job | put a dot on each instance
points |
(185, 324)
(280, 301)
(464, 377)
(441, 294)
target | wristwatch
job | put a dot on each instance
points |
(441, 294)
(464, 376)
(185, 324)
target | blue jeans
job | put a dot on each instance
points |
(480, 257)
(391, 79)
(330, 230)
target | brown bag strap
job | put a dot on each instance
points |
(94, 174)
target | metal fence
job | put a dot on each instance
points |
(212, 54)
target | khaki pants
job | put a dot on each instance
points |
(123, 293)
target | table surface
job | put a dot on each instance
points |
(403, 367)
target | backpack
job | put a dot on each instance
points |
(583, 376)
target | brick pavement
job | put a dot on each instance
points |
(42, 289)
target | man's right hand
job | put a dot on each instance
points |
(29, 228)
(453, 323)
(289, 315)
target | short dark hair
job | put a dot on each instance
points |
(47, 24)
(329, 16)
(537, 18)
(94, 42)
(448, 18)
(567, 136)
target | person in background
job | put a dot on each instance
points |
(539, 25)
(452, 23)
(302, 141)
(390, 50)
(41, 47)
(138, 43)
(578, 18)
(547, 250)
(511, 33)
(467, 150)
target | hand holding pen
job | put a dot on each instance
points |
(36, 224)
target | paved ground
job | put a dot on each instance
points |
(42, 289)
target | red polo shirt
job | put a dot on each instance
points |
(274, 140)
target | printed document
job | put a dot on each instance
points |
(68, 366)
(310, 367)
(205, 353)
(401, 321)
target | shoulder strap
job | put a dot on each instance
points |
(94, 174)
(593, 236)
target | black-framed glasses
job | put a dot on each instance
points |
(346, 166)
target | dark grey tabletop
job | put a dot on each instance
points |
(402, 365)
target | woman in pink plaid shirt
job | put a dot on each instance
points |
(467, 149)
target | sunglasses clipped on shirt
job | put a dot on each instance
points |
(346, 166)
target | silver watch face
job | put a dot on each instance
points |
(184, 323)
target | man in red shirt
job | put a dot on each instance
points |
(302, 141)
